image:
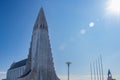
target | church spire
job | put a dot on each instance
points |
(109, 75)
(41, 22)
(41, 54)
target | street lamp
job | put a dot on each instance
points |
(68, 63)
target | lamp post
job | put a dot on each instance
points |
(68, 63)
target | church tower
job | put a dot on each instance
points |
(39, 65)
(109, 75)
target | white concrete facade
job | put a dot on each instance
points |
(39, 65)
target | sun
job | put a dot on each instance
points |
(114, 6)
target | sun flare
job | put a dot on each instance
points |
(114, 6)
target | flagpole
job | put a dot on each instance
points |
(101, 67)
(91, 71)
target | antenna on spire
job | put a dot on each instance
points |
(42, 2)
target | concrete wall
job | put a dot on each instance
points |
(15, 73)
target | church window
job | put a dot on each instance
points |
(41, 26)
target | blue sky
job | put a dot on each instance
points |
(72, 38)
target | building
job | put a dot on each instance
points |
(16, 70)
(39, 64)
(109, 75)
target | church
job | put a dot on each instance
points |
(39, 64)
(109, 75)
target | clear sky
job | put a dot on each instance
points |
(79, 30)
